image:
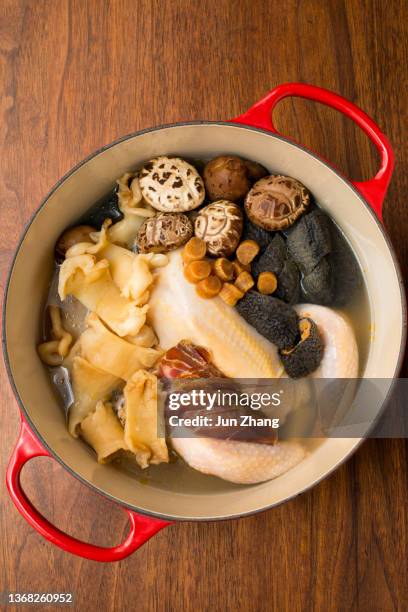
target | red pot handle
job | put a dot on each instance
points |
(142, 528)
(260, 115)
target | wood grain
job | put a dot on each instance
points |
(75, 75)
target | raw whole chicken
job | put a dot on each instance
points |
(238, 351)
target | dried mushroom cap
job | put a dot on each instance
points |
(226, 177)
(305, 357)
(170, 184)
(272, 318)
(275, 202)
(219, 224)
(164, 232)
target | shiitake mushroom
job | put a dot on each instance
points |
(163, 232)
(305, 357)
(219, 224)
(229, 177)
(226, 178)
(275, 202)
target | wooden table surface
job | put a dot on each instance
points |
(77, 74)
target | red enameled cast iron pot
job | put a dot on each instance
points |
(251, 135)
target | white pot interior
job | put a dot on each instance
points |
(203, 497)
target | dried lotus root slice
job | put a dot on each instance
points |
(170, 184)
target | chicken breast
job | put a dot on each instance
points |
(176, 313)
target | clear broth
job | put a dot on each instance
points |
(177, 476)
